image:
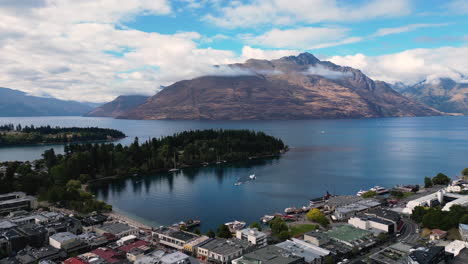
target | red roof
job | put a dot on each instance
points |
(108, 254)
(74, 261)
(137, 243)
(438, 232)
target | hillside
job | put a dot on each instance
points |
(118, 106)
(294, 87)
(17, 103)
(444, 94)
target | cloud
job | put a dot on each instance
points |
(284, 12)
(458, 6)
(396, 30)
(411, 66)
(327, 73)
(262, 54)
(297, 38)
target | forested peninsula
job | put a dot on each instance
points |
(58, 178)
(11, 135)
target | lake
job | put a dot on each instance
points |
(341, 156)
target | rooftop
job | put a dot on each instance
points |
(383, 213)
(175, 257)
(252, 232)
(303, 249)
(224, 246)
(347, 233)
(177, 234)
(424, 255)
(64, 236)
(108, 254)
(270, 255)
(116, 228)
(133, 245)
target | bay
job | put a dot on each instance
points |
(341, 156)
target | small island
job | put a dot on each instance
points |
(11, 135)
(61, 179)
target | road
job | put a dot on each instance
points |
(410, 233)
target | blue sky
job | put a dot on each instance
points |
(95, 50)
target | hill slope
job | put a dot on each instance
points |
(17, 103)
(118, 106)
(444, 95)
(294, 87)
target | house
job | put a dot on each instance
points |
(110, 255)
(253, 236)
(437, 234)
(316, 238)
(222, 250)
(269, 255)
(174, 238)
(312, 254)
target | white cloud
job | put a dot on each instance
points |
(286, 12)
(297, 38)
(458, 6)
(395, 30)
(327, 73)
(411, 66)
(261, 54)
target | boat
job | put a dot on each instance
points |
(175, 165)
(237, 183)
(379, 190)
(189, 223)
(235, 225)
(361, 192)
(267, 218)
(252, 177)
(290, 210)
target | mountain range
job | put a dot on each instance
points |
(118, 106)
(17, 103)
(293, 87)
(443, 94)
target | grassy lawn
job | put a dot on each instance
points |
(301, 229)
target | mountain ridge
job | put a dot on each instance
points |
(293, 87)
(117, 106)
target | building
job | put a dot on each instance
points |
(456, 246)
(110, 255)
(64, 240)
(269, 255)
(174, 238)
(175, 258)
(387, 215)
(372, 223)
(461, 258)
(394, 254)
(463, 229)
(437, 234)
(222, 250)
(117, 229)
(253, 236)
(134, 254)
(312, 254)
(33, 255)
(16, 201)
(351, 236)
(341, 200)
(440, 197)
(431, 255)
(316, 238)
(192, 246)
(349, 210)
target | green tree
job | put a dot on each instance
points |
(210, 234)
(418, 214)
(256, 225)
(427, 182)
(328, 260)
(316, 215)
(223, 231)
(440, 179)
(277, 226)
(283, 235)
(197, 231)
(464, 172)
(369, 194)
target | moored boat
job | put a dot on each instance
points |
(290, 210)
(267, 218)
(235, 225)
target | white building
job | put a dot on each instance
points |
(463, 229)
(126, 240)
(312, 254)
(426, 201)
(372, 223)
(253, 236)
(175, 258)
(220, 250)
(63, 240)
(456, 246)
(439, 197)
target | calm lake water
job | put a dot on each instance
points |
(341, 156)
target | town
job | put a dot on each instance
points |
(407, 224)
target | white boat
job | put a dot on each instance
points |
(379, 190)
(290, 210)
(267, 218)
(235, 225)
(252, 177)
(237, 183)
(361, 192)
(174, 170)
